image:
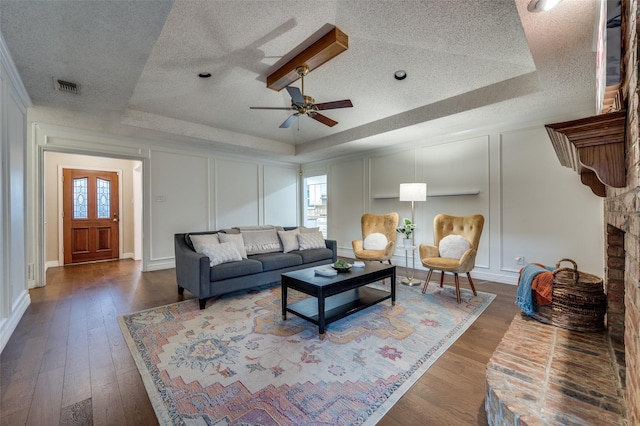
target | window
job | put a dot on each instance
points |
(80, 200)
(315, 211)
(103, 188)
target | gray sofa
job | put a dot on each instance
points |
(194, 273)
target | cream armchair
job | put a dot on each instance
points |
(372, 247)
(470, 227)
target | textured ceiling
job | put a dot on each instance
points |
(470, 63)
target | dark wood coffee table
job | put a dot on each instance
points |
(337, 296)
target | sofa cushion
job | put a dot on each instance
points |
(314, 255)
(258, 241)
(305, 230)
(235, 269)
(258, 228)
(289, 240)
(278, 260)
(230, 230)
(311, 240)
(236, 239)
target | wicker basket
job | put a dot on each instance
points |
(578, 302)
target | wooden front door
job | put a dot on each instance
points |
(90, 215)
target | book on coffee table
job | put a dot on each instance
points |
(327, 272)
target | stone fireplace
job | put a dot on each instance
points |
(591, 378)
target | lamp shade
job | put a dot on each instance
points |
(413, 192)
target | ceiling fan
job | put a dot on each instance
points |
(302, 104)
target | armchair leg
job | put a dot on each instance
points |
(458, 298)
(441, 279)
(471, 284)
(426, 282)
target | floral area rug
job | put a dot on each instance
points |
(238, 363)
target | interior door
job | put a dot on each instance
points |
(90, 215)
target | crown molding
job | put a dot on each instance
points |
(12, 73)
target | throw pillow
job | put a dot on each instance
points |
(223, 253)
(289, 240)
(311, 240)
(237, 240)
(304, 230)
(205, 240)
(375, 241)
(261, 240)
(453, 246)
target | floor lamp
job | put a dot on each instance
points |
(412, 192)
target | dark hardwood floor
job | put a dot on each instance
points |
(67, 362)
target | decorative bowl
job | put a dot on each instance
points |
(346, 269)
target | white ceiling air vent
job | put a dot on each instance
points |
(66, 86)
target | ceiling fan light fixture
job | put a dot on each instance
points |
(542, 5)
(204, 74)
(400, 75)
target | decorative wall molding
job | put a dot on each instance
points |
(432, 194)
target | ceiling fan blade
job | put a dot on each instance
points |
(289, 121)
(323, 119)
(345, 103)
(295, 94)
(279, 108)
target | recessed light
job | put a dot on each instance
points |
(400, 75)
(204, 75)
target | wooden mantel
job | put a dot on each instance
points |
(593, 147)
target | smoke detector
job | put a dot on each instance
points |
(66, 86)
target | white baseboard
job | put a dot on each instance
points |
(8, 326)
(159, 264)
(56, 263)
(51, 264)
(481, 273)
(496, 277)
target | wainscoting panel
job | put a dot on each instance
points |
(547, 214)
(179, 199)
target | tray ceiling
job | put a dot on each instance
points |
(469, 63)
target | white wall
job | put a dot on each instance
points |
(533, 207)
(183, 189)
(14, 270)
(547, 214)
(179, 201)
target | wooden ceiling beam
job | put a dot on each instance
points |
(327, 47)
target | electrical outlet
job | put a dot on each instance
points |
(519, 260)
